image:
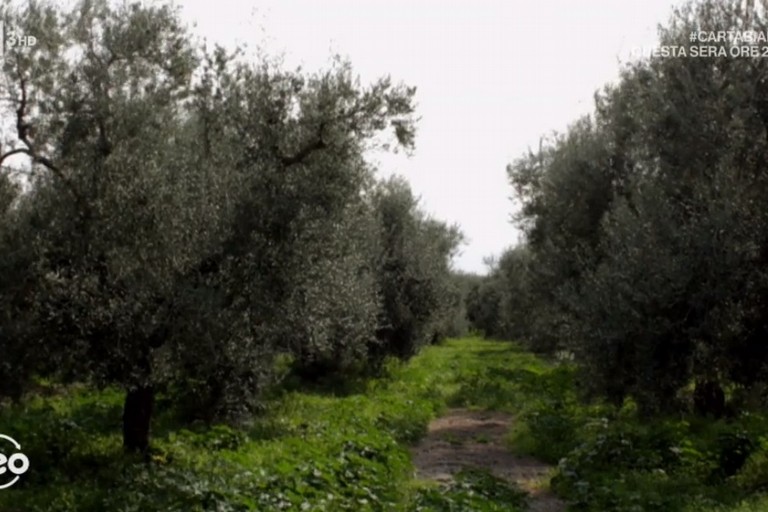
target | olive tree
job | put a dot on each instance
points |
(413, 271)
(646, 227)
(192, 214)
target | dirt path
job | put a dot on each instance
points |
(464, 438)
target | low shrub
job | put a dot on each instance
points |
(473, 490)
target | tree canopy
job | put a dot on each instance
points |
(185, 216)
(646, 232)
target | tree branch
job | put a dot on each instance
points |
(23, 134)
(315, 144)
(17, 151)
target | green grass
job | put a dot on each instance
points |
(317, 450)
(310, 451)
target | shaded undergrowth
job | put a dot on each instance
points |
(608, 459)
(327, 447)
(330, 448)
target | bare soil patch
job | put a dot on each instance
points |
(464, 438)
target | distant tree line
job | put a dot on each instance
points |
(646, 231)
(174, 219)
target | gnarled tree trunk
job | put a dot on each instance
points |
(709, 399)
(137, 416)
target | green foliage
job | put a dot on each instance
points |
(484, 307)
(645, 247)
(457, 323)
(318, 450)
(308, 451)
(548, 422)
(753, 475)
(756, 504)
(473, 490)
(413, 272)
(610, 459)
(192, 217)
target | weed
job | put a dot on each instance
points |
(316, 450)
(472, 490)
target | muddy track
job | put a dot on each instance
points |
(464, 438)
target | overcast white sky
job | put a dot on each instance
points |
(493, 76)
